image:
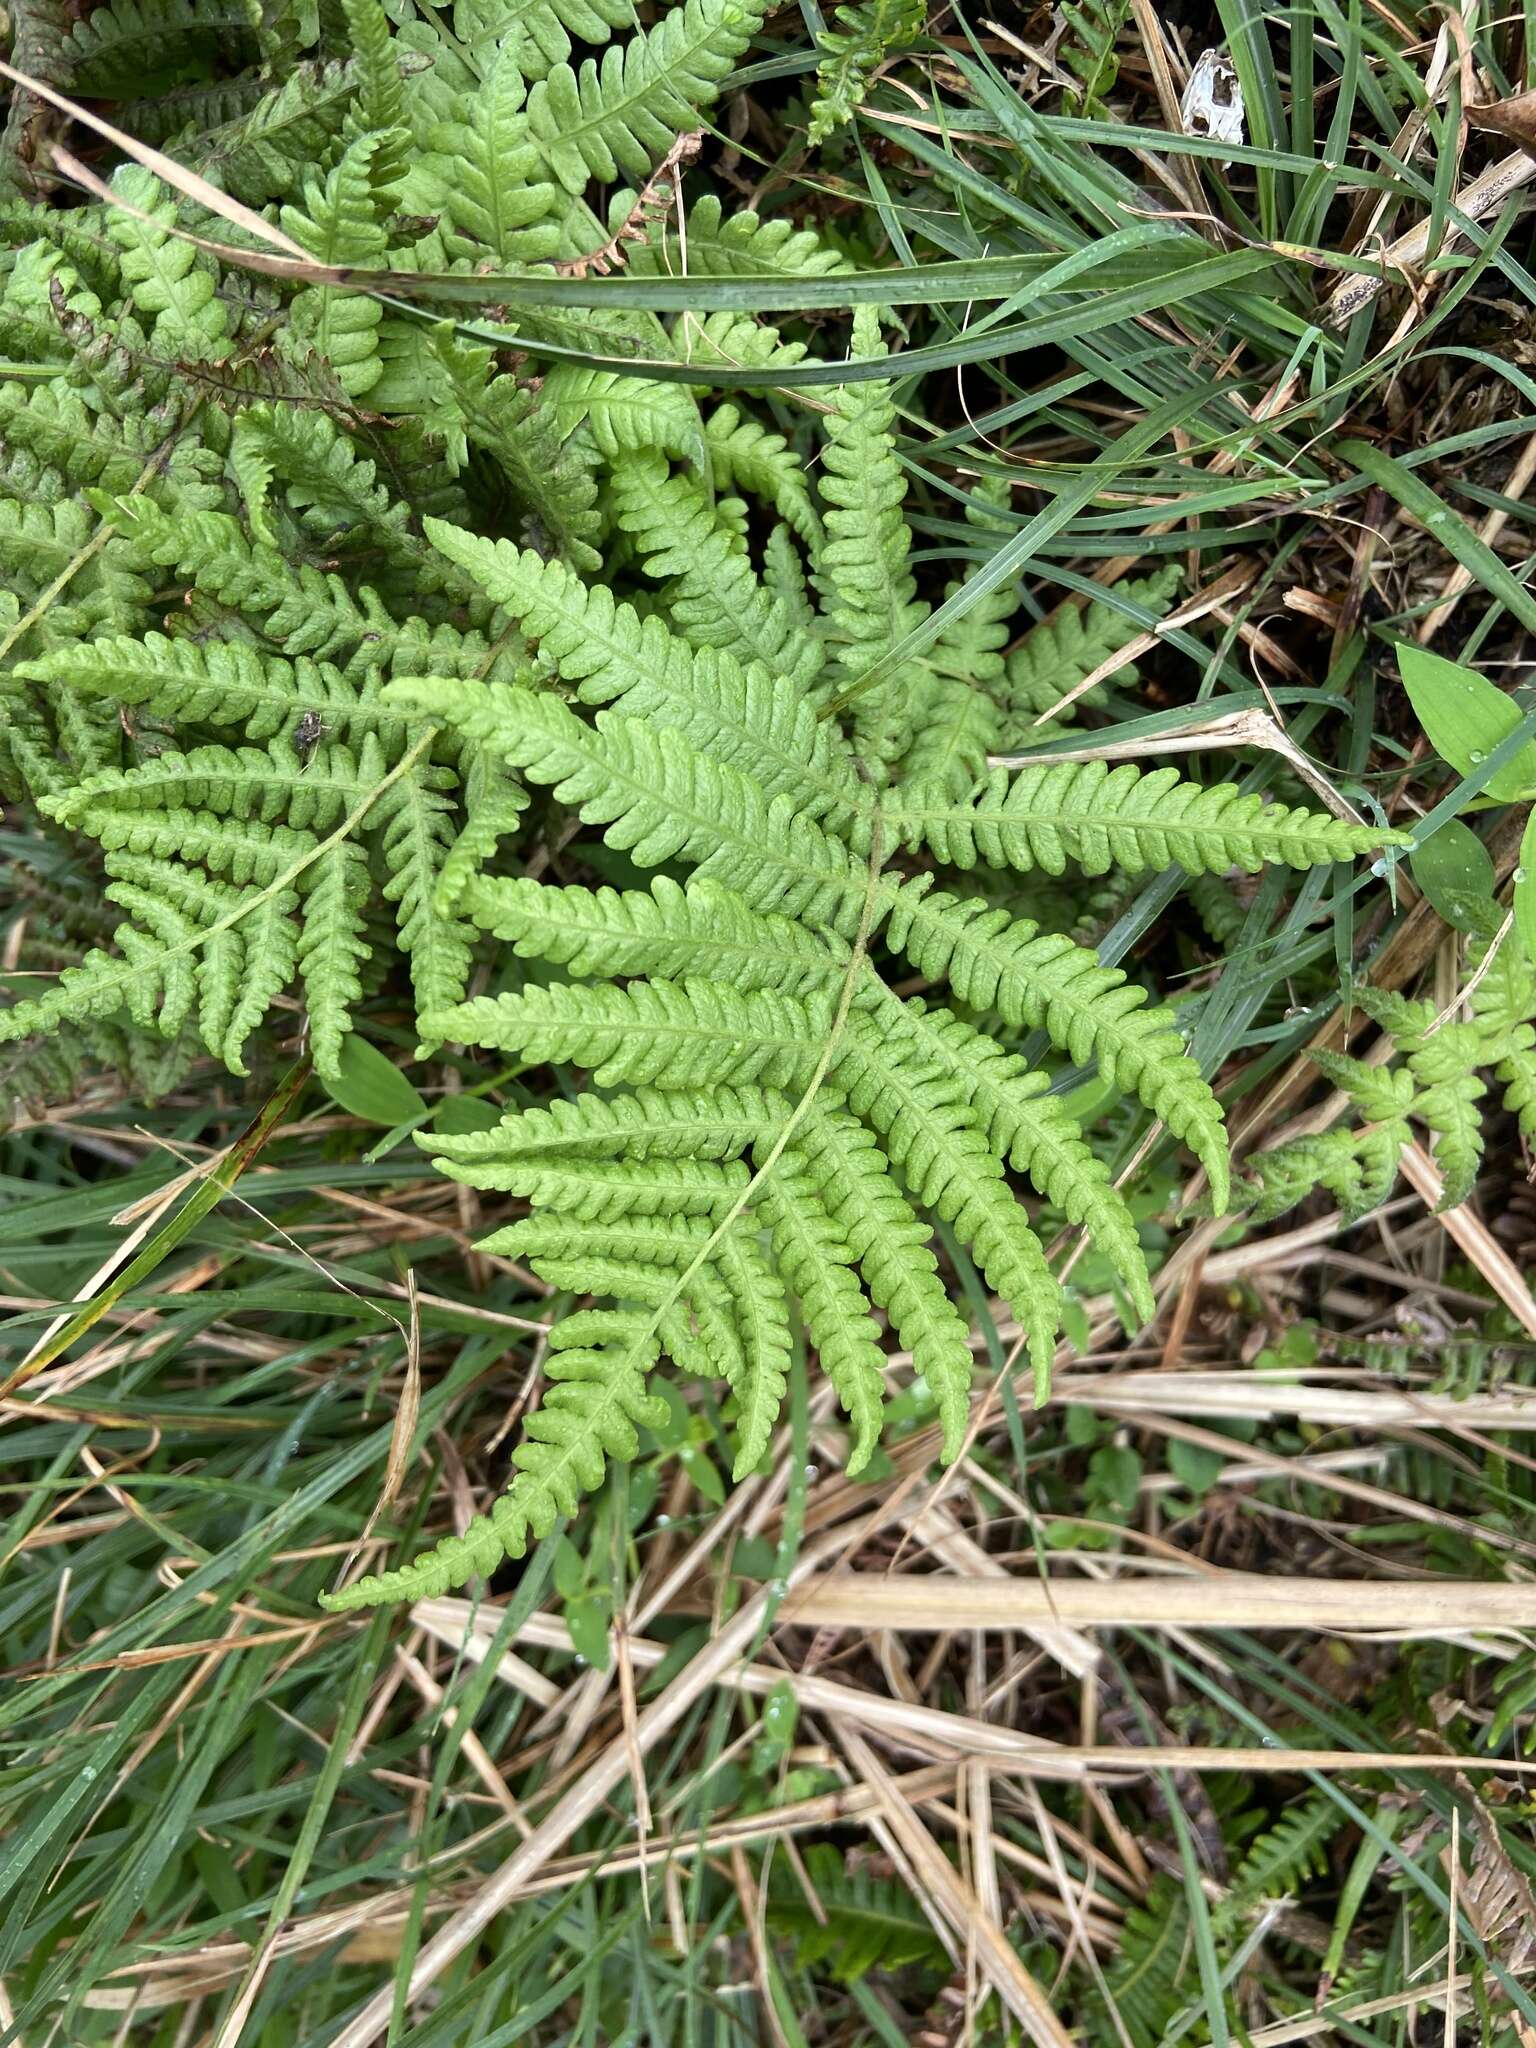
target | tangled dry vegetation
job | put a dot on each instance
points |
(1192, 1698)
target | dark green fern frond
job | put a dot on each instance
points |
(1073, 644)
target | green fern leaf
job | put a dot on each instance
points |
(932, 1136)
(622, 118)
(869, 31)
(1102, 818)
(1042, 981)
(674, 1035)
(667, 930)
(715, 599)
(1064, 650)
(891, 1248)
(592, 1412)
(818, 1264)
(865, 559)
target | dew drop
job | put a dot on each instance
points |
(1519, 874)
(1476, 754)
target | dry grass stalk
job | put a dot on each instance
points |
(1421, 1607)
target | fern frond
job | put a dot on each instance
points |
(601, 1190)
(305, 610)
(216, 682)
(542, 29)
(933, 1138)
(1285, 1855)
(492, 807)
(722, 244)
(1444, 1069)
(1503, 1005)
(595, 1406)
(865, 559)
(658, 797)
(256, 154)
(649, 1123)
(606, 1252)
(954, 730)
(339, 227)
(760, 1319)
(115, 46)
(746, 456)
(622, 415)
(1088, 51)
(168, 278)
(612, 656)
(485, 174)
(1359, 1168)
(860, 1922)
(868, 32)
(415, 825)
(552, 482)
(891, 1247)
(667, 930)
(332, 947)
(380, 107)
(1026, 1126)
(959, 721)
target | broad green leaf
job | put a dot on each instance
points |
(1525, 889)
(1464, 717)
(457, 1115)
(368, 1084)
(1453, 869)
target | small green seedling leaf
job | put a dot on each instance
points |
(1465, 717)
(1454, 871)
(368, 1084)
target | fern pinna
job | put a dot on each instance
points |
(774, 1121)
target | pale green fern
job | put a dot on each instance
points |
(1433, 1078)
(773, 1122)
